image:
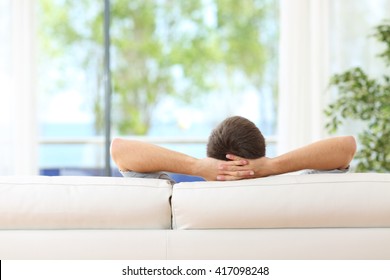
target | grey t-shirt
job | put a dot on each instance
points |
(153, 175)
(333, 171)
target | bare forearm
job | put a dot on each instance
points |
(332, 153)
(145, 157)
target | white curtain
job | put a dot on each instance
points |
(18, 143)
(304, 74)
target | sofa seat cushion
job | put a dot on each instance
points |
(84, 203)
(289, 201)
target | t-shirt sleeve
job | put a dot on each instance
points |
(153, 175)
(332, 171)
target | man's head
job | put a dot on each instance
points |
(238, 136)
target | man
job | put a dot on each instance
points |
(236, 150)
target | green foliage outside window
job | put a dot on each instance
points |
(368, 100)
(160, 48)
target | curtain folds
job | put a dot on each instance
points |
(303, 72)
(18, 127)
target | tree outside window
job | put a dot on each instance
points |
(181, 65)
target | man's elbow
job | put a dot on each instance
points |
(116, 150)
(349, 144)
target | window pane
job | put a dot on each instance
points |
(178, 69)
(70, 55)
(181, 67)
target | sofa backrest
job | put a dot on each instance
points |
(289, 201)
(84, 203)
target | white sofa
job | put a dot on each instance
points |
(329, 216)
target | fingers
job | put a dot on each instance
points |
(236, 168)
(234, 157)
(235, 164)
(232, 168)
(238, 175)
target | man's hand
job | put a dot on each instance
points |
(212, 169)
(260, 167)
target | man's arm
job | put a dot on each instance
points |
(145, 157)
(328, 154)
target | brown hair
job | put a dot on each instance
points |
(238, 136)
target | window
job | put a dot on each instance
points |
(178, 69)
(70, 79)
(181, 67)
